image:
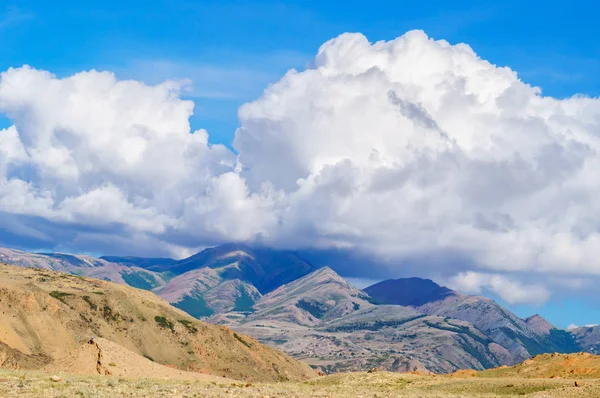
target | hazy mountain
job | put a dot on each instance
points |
(266, 269)
(408, 291)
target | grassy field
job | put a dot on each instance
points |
(378, 384)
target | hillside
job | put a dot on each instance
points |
(579, 365)
(46, 314)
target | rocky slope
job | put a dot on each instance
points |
(45, 314)
(522, 339)
(327, 322)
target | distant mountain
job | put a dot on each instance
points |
(320, 296)
(408, 291)
(85, 266)
(539, 324)
(229, 278)
(588, 338)
(327, 322)
(141, 262)
(501, 325)
(266, 269)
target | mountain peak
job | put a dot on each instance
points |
(408, 291)
(539, 324)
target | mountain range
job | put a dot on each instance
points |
(315, 315)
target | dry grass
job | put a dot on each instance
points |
(380, 384)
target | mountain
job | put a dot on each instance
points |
(320, 296)
(47, 314)
(408, 291)
(229, 278)
(85, 266)
(328, 323)
(206, 291)
(539, 324)
(141, 262)
(587, 338)
(264, 268)
(501, 325)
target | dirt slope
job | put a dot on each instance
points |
(101, 356)
(45, 315)
(581, 365)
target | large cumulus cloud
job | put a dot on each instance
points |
(93, 151)
(399, 149)
(415, 145)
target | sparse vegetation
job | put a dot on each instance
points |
(244, 302)
(380, 384)
(315, 309)
(60, 295)
(109, 315)
(195, 306)
(188, 325)
(165, 323)
(88, 300)
(139, 280)
(241, 340)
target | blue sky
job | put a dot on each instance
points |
(232, 50)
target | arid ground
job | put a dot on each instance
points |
(378, 384)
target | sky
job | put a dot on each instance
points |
(161, 127)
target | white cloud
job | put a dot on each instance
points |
(91, 150)
(509, 290)
(397, 149)
(414, 145)
(572, 326)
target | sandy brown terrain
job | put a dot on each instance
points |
(378, 384)
(45, 316)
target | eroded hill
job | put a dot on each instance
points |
(45, 315)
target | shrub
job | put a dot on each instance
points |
(164, 323)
